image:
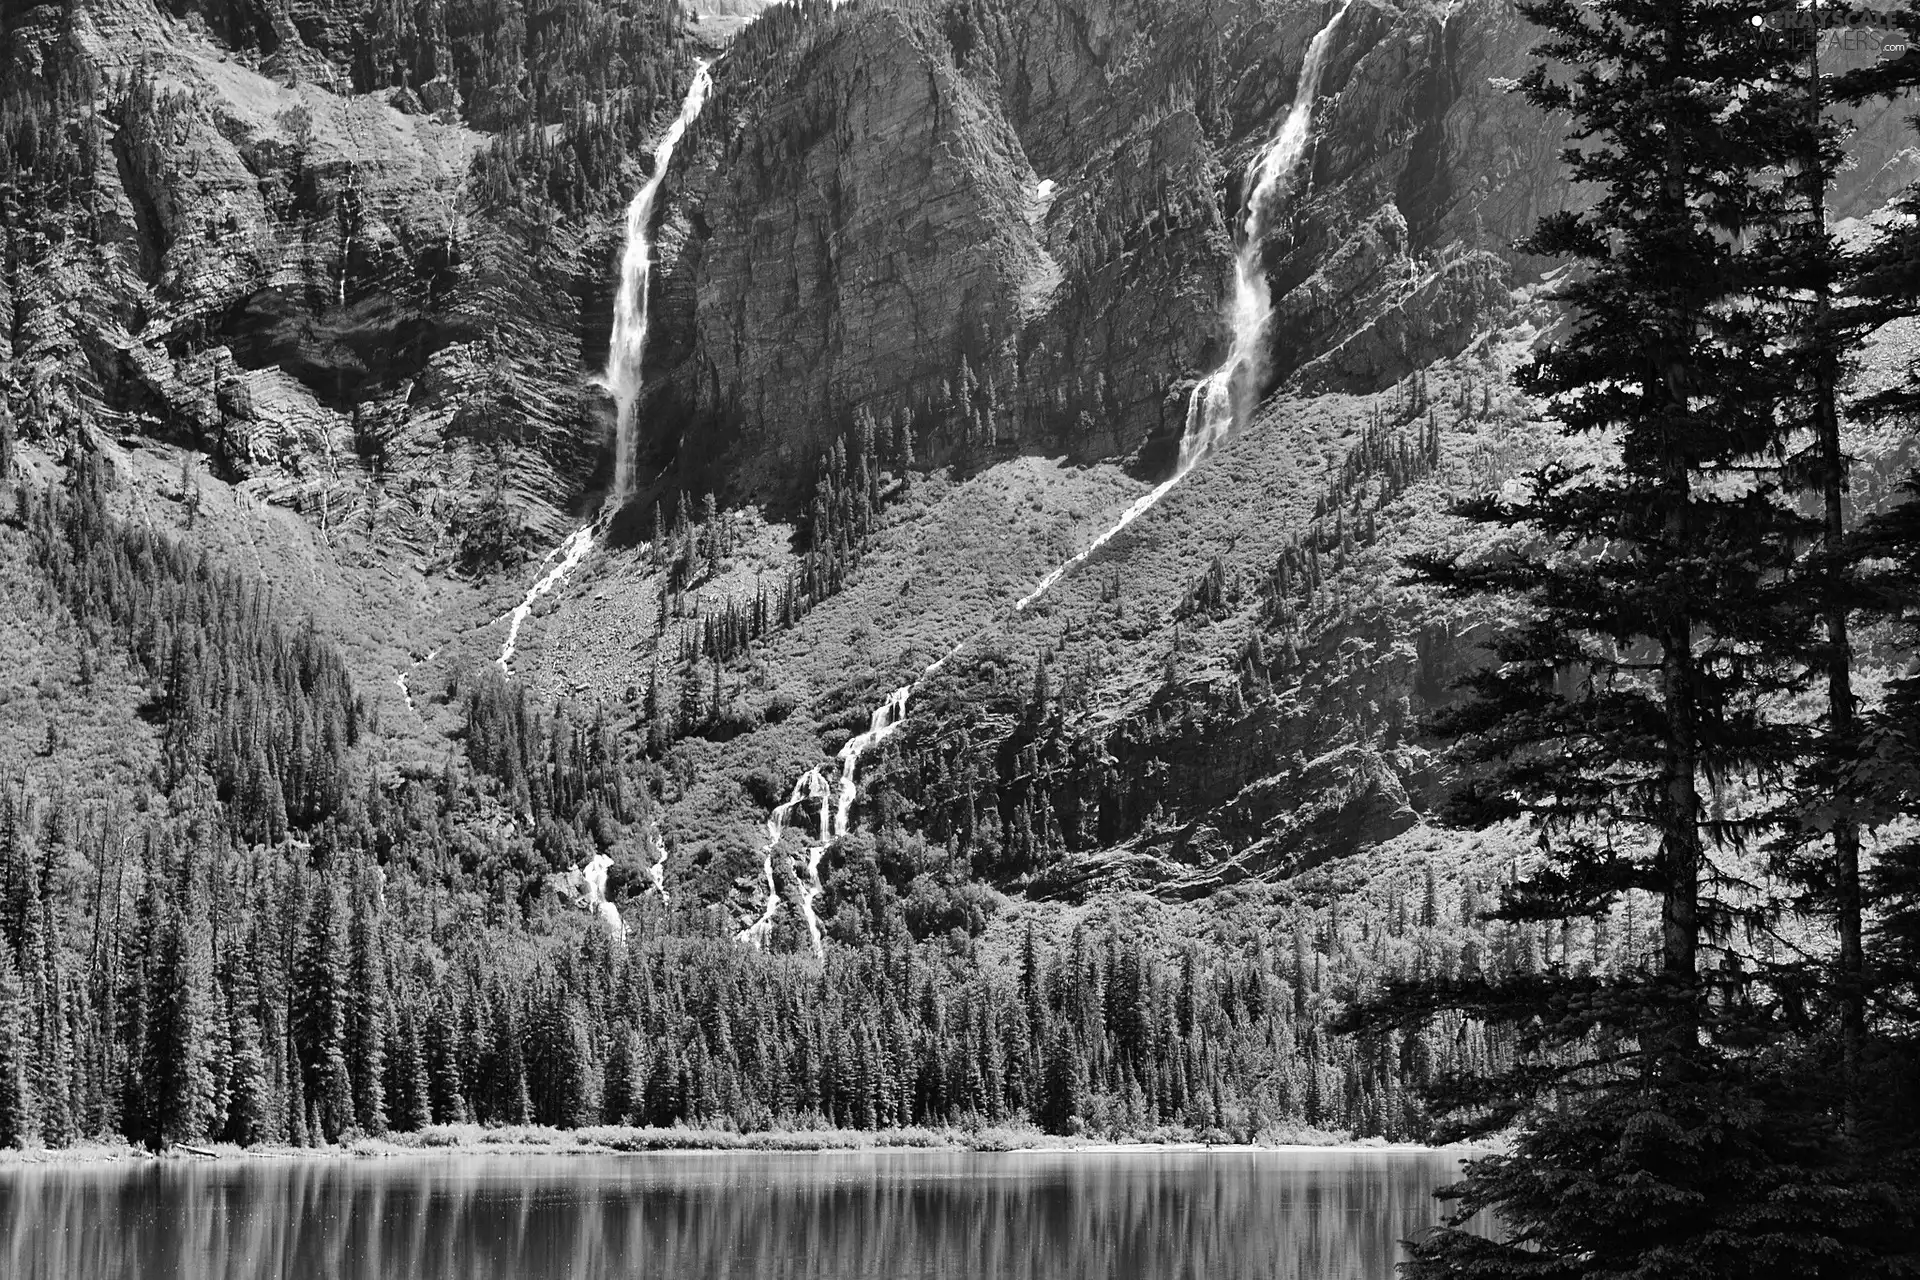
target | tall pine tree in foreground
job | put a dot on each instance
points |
(1880, 776)
(1889, 765)
(1632, 706)
(1814, 271)
(1832, 293)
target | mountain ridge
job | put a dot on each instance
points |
(1391, 267)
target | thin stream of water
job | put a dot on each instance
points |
(1220, 405)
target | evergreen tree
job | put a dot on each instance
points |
(506, 1097)
(561, 1062)
(320, 1014)
(410, 1091)
(1818, 286)
(16, 1093)
(1889, 1107)
(299, 1132)
(1657, 633)
(176, 1070)
(1060, 1096)
(46, 995)
(1870, 769)
(448, 1096)
(624, 1099)
(367, 1013)
(249, 1098)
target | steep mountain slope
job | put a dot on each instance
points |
(935, 285)
(286, 238)
(1242, 698)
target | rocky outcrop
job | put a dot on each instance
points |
(1049, 199)
(1045, 190)
(1374, 311)
(252, 259)
(1107, 361)
(870, 230)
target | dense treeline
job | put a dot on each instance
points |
(187, 955)
(252, 997)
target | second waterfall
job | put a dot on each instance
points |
(1225, 400)
(1228, 396)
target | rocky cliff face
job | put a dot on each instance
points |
(1044, 191)
(363, 258)
(867, 230)
(268, 244)
(1004, 227)
(978, 232)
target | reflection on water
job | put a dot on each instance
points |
(1050, 1216)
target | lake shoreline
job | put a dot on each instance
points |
(474, 1140)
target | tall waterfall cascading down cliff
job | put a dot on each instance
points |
(626, 353)
(1228, 396)
(1224, 401)
(1227, 399)
(628, 347)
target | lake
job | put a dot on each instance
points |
(1278, 1215)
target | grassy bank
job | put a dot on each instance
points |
(473, 1139)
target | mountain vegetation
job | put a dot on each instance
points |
(264, 936)
(1508, 734)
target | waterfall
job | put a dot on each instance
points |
(811, 785)
(625, 353)
(836, 811)
(628, 346)
(1224, 401)
(571, 553)
(1228, 396)
(656, 858)
(886, 718)
(589, 884)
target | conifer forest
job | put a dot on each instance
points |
(981, 574)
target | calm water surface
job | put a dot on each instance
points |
(836, 1216)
